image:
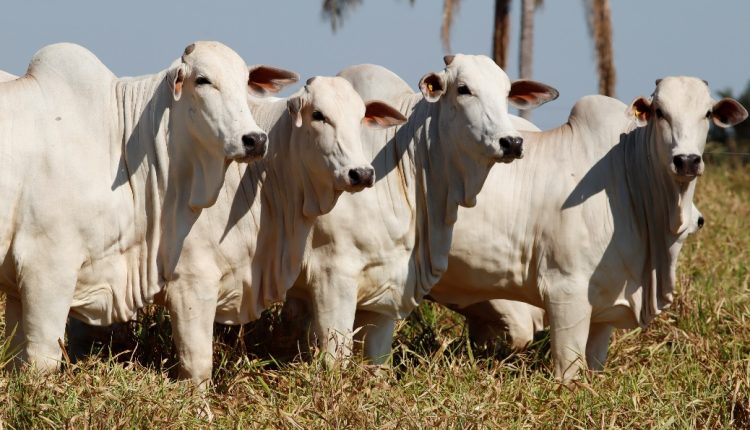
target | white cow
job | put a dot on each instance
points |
(101, 177)
(590, 224)
(377, 254)
(245, 252)
(513, 321)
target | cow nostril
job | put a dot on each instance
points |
(687, 164)
(255, 142)
(512, 145)
(248, 141)
(354, 177)
(701, 222)
(367, 176)
(505, 144)
(364, 176)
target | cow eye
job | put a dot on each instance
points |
(659, 113)
(708, 114)
(318, 116)
(464, 90)
(202, 80)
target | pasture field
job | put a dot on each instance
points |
(690, 369)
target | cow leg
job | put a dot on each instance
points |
(192, 310)
(334, 309)
(597, 345)
(14, 330)
(375, 331)
(570, 318)
(45, 310)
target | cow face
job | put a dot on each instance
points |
(474, 94)
(210, 85)
(680, 110)
(327, 115)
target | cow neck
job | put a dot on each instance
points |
(661, 211)
(141, 106)
(283, 230)
(444, 178)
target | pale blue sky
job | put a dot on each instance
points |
(653, 38)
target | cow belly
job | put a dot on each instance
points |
(387, 289)
(110, 290)
(619, 315)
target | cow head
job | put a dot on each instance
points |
(327, 115)
(679, 111)
(209, 86)
(474, 94)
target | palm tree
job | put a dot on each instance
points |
(526, 45)
(600, 30)
(501, 34)
(599, 18)
(336, 10)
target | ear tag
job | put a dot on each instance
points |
(429, 87)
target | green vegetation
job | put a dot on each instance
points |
(690, 369)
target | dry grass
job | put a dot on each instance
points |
(690, 369)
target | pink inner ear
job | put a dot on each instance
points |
(432, 84)
(728, 112)
(641, 109)
(382, 114)
(271, 79)
(268, 86)
(531, 93)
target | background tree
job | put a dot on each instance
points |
(734, 140)
(599, 19)
(600, 30)
(335, 11)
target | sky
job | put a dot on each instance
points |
(652, 39)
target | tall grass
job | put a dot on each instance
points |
(689, 369)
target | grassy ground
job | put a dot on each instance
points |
(690, 369)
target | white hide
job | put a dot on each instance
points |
(517, 322)
(98, 177)
(589, 226)
(245, 252)
(377, 254)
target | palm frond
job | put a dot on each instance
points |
(336, 10)
(450, 9)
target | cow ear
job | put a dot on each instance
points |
(264, 80)
(176, 78)
(432, 86)
(527, 94)
(728, 112)
(294, 105)
(380, 114)
(640, 111)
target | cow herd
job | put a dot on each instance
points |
(355, 196)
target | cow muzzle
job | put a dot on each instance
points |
(255, 145)
(361, 177)
(512, 147)
(687, 166)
